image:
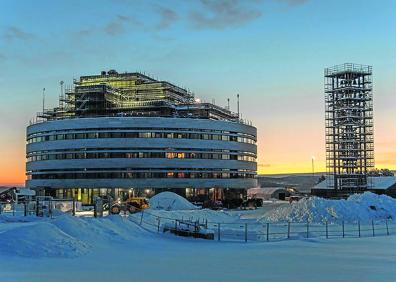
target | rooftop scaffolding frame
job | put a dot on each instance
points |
(131, 94)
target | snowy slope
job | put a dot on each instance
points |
(64, 236)
(135, 255)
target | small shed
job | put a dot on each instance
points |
(278, 193)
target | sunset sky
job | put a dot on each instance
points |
(272, 52)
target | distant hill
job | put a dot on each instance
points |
(301, 181)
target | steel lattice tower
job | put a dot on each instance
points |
(349, 126)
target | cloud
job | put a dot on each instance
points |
(117, 26)
(85, 32)
(220, 14)
(292, 2)
(15, 33)
(167, 17)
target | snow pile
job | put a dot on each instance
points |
(170, 201)
(89, 229)
(40, 240)
(364, 207)
(6, 218)
(64, 236)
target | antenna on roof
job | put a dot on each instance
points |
(43, 99)
(61, 83)
(61, 94)
(238, 104)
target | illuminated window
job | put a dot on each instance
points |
(180, 155)
(170, 155)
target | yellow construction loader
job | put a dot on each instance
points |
(132, 205)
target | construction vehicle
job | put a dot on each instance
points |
(132, 204)
(251, 204)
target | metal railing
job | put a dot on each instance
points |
(45, 207)
(242, 231)
(268, 231)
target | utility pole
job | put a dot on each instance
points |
(313, 167)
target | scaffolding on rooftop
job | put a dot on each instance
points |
(130, 94)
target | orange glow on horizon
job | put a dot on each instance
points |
(12, 172)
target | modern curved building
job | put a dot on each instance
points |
(87, 147)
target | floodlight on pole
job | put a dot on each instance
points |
(313, 166)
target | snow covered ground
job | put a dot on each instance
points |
(115, 248)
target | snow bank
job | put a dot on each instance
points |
(169, 205)
(64, 236)
(170, 201)
(40, 240)
(364, 207)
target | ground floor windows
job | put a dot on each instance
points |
(199, 196)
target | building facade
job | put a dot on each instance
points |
(107, 139)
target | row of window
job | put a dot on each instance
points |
(140, 175)
(131, 149)
(169, 135)
(133, 155)
(151, 129)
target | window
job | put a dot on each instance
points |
(170, 155)
(92, 135)
(80, 156)
(104, 135)
(180, 155)
(116, 135)
(131, 135)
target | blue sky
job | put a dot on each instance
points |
(272, 52)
